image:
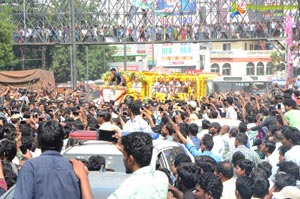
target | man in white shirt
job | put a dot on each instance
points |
(225, 172)
(136, 123)
(230, 112)
(108, 125)
(144, 180)
(291, 139)
(219, 144)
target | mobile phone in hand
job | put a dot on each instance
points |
(279, 106)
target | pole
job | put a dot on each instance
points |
(24, 14)
(73, 65)
(153, 34)
(87, 65)
(124, 36)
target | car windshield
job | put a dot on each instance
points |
(113, 162)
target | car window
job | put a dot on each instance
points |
(113, 162)
(170, 155)
(160, 163)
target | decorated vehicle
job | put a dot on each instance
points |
(143, 85)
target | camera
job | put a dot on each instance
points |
(160, 109)
(125, 111)
(27, 116)
(35, 115)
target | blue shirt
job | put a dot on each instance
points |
(196, 141)
(195, 152)
(49, 176)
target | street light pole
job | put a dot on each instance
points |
(73, 65)
(87, 65)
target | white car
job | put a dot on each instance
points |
(105, 183)
(232, 123)
(164, 153)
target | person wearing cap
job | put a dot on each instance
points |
(230, 112)
(194, 115)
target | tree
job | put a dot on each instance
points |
(60, 63)
(278, 62)
(98, 58)
(7, 57)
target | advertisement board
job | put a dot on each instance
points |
(175, 7)
(177, 55)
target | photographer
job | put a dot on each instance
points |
(292, 115)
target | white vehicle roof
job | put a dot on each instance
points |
(222, 121)
(88, 147)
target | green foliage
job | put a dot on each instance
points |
(98, 58)
(60, 63)
(6, 39)
(277, 60)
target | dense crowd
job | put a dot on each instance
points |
(256, 159)
(159, 32)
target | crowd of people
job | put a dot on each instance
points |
(158, 32)
(256, 159)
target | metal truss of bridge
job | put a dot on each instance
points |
(49, 22)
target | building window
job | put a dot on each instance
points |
(245, 48)
(227, 46)
(215, 68)
(250, 69)
(269, 69)
(226, 69)
(260, 69)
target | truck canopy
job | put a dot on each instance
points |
(30, 79)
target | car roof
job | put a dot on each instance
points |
(222, 121)
(109, 148)
(87, 146)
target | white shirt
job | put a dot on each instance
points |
(108, 126)
(293, 155)
(202, 133)
(138, 124)
(231, 113)
(143, 183)
(218, 148)
(229, 189)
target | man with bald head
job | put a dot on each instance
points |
(225, 172)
